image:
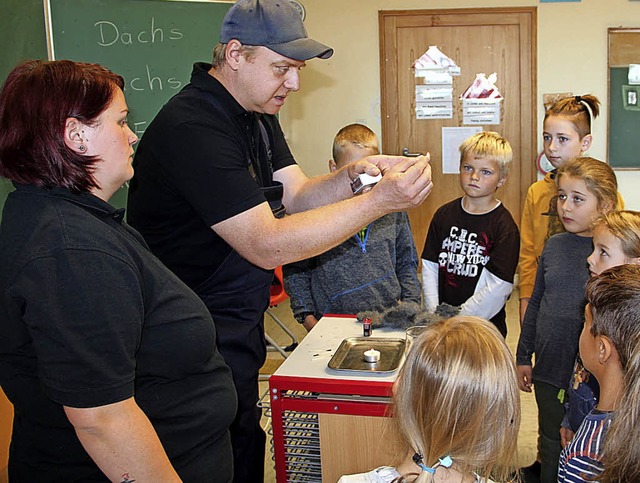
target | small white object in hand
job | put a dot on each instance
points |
(372, 355)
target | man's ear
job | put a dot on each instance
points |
(585, 144)
(332, 166)
(232, 53)
(74, 135)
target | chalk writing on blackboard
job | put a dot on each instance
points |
(110, 33)
(152, 44)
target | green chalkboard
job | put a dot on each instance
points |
(151, 43)
(22, 37)
(624, 120)
(22, 33)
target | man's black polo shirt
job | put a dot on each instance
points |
(191, 171)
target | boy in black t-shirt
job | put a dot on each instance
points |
(471, 253)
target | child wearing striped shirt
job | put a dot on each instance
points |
(610, 350)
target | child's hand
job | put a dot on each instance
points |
(566, 435)
(524, 377)
(309, 322)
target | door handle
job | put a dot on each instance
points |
(406, 152)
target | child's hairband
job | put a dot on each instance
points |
(585, 105)
(445, 461)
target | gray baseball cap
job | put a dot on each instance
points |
(275, 24)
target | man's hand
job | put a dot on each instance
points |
(378, 163)
(524, 377)
(365, 165)
(405, 182)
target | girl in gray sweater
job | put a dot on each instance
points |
(553, 321)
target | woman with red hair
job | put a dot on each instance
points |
(109, 359)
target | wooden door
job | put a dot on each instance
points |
(501, 40)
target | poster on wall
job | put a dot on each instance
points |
(452, 138)
(482, 101)
(434, 95)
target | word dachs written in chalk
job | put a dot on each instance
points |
(109, 34)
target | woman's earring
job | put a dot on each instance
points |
(82, 148)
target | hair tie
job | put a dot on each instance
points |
(445, 461)
(578, 99)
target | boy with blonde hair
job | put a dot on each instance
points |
(471, 252)
(372, 270)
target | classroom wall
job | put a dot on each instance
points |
(572, 56)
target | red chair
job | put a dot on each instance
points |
(278, 295)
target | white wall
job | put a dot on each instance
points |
(572, 56)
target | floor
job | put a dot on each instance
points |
(528, 428)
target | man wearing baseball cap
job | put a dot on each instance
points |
(215, 177)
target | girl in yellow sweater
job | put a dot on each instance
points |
(566, 135)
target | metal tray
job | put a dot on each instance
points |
(350, 354)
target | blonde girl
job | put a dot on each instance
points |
(616, 241)
(566, 136)
(457, 407)
(551, 328)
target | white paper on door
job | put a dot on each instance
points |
(434, 95)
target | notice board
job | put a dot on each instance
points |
(624, 100)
